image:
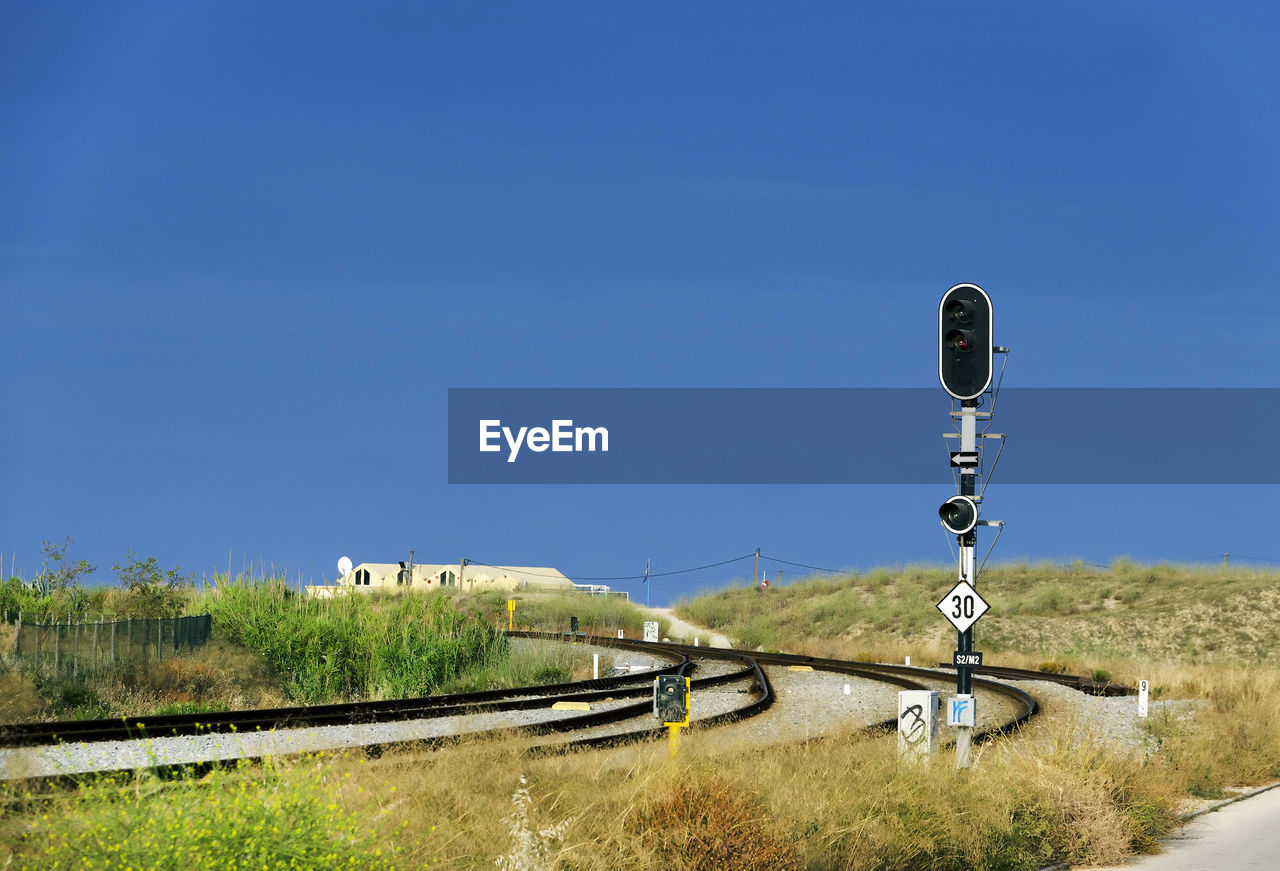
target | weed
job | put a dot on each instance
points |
(283, 815)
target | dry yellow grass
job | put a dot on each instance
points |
(846, 802)
(843, 802)
(1054, 793)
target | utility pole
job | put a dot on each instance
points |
(755, 571)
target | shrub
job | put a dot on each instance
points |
(712, 822)
(151, 591)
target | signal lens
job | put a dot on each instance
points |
(957, 514)
(960, 340)
(960, 311)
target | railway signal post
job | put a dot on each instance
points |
(965, 353)
(671, 705)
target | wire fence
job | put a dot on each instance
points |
(75, 646)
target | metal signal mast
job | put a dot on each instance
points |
(965, 355)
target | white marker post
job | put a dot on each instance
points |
(620, 635)
(917, 722)
(1142, 698)
(595, 666)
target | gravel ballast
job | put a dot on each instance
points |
(810, 704)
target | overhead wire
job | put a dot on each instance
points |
(472, 562)
(799, 565)
(652, 575)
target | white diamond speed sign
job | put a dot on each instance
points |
(962, 606)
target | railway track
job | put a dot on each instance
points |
(904, 676)
(263, 719)
(614, 718)
(1075, 681)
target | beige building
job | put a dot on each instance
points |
(391, 577)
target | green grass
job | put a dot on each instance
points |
(281, 816)
(359, 646)
(272, 647)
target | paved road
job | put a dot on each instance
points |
(1244, 836)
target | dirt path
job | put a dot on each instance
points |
(681, 629)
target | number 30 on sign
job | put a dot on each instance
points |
(962, 606)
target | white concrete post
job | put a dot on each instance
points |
(918, 722)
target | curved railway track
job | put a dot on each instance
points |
(263, 719)
(1075, 681)
(905, 676)
(574, 730)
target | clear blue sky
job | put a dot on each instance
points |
(246, 248)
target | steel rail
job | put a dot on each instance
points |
(348, 713)
(902, 675)
(1075, 681)
(751, 670)
(532, 697)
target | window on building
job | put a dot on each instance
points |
(362, 577)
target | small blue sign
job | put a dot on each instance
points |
(961, 710)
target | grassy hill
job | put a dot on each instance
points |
(1073, 615)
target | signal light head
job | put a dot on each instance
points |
(959, 514)
(965, 344)
(671, 698)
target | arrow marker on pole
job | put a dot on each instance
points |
(961, 459)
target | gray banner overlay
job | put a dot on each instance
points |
(859, 436)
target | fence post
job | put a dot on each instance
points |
(96, 627)
(113, 641)
(57, 646)
(75, 656)
(159, 640)
(17, 636)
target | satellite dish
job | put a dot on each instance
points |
(344, 566)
